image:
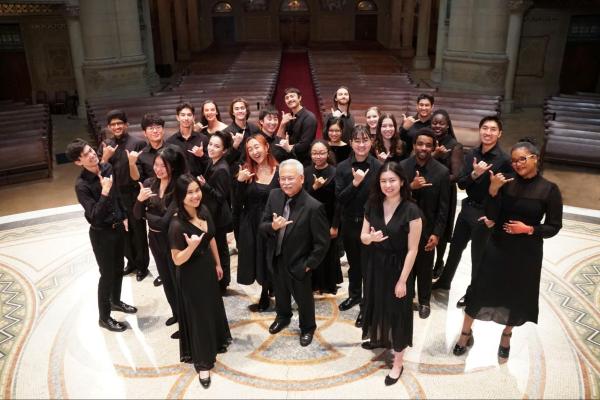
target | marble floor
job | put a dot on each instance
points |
(51, 345)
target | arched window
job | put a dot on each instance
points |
(366, 5)
(222, 7)
(294, 5)
(256, 5)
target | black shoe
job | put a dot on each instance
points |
(349, 303)
(306, 339)
(460, 350)
(504, 352)
(140, 275)
(359, 320)
(278, 325)
(390, 381)
(369, 345)
(264, 302)
(175, 335)
(437, 271)
(122, 307)
(171, 321)
(424, 311)
(461, 303)
(439, 285)
(112, 325)
(130, 268)
(204, 382)
(157, 281)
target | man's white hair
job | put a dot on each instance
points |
(295, 163)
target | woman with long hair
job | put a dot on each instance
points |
(255, 180)
(387, 145)
(210, 118)
(155, 204)
(391, 229)
(372, 118)
(202, 318)
(333, 134)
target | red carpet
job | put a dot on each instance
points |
(295, 72)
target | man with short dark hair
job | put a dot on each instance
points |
(193, 144)
(410, 124)
(108, 223)
(471, 223)
(298, 128)
(122, 152)
(430, 185)
(153, 126)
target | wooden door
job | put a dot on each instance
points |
(294, 30)
(14, 76)
(580, 68)
(223, 30)
(365, 27)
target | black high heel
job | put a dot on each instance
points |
(504, 352)
(460, 350)
(390, 381)
(205, 382)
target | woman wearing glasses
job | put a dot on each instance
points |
(506, 288)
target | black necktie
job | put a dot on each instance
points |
(281, 232)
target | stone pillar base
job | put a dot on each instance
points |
(436, 75)
(507, 106)
(421, 62)
(483, 73)
(110, 78)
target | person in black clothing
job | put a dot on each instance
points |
(201, 312)
(122, 151)
(387, 145)
(410, 124)
(108, 222)
(341, 110)
(240, 129)
(450, 153)
(372, 118)
(155, 204)
(297, 240)
(353, 178)
(216, 189)
(333, 134)
(210, 119)
(298, 128)
(255, 180)
(430, 187)
(506, 287)
(193, 144)
(471, 223)
(319, 182)
(153, 126)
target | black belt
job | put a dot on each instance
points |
(115, 225)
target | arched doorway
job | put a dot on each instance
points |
(365, 26)
(223, 23)
(294, 23)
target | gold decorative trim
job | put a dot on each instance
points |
(19, 9)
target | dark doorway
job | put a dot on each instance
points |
(294, 30)
(581, 68)
(14, 76)
(365, 27)
(223, 30)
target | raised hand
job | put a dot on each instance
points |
(479, 168)
(336, 113)
(198, 151)
(194, 240)
(106, 183)
(285, 143)
(383, 156)
(279, 222)
(318, 182)
(517, 227)
(108, 152)
(132, 156)
(408, 122)
(497, 181)
(244, 175)
(440, 151)
(201, 180)
(145, 193)
(359, 176)
(419, 182)
(376, 236)
(198, 127)
(286, 117)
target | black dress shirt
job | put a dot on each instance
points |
(100, 211)
(408, 135)
(234, 155)
(120, 161)
(145, 162)
(302, 131)
(353, 198)
(477, 190)
(196, 165)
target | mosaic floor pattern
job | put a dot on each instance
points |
(51, 345)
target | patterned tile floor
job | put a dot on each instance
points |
(51, 345)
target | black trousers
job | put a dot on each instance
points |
(422, 273)
(286, 286)
(159, 245)
(224, 258)
(468, 227)
(107, 245)
(356, 255)
(136, 242)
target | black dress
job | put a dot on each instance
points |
(203, 323)
(389, 320)
(341, 152)
(329, 273)
(506, 288)
(249, 203)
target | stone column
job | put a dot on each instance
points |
(114, 62)
(166, 32)
(193, 19)
(181, 26)
(77, 55)
(421, 60)
(408, 17)
(475, 58)
(442, 34)
(148, 46)
(395, 24)
(515, 23)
